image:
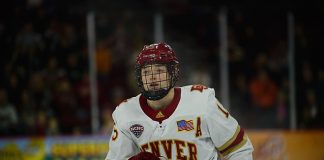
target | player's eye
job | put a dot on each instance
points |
(161, 70)
(145, 72)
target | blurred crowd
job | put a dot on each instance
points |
(44, 85)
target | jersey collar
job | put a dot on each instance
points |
(160, 115)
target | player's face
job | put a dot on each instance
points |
(155, 77)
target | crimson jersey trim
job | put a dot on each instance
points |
(237, 141)
(167, 112)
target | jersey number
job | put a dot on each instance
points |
(115, 135)
(198, 87)
(223, 110)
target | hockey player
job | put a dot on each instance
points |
(168, 122)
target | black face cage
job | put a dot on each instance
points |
(173, 70)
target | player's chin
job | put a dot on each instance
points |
(154, 89)
(157, 88)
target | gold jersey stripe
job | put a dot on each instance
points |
(231, 140)
(236, 147)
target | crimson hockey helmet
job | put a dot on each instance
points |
(162, 54)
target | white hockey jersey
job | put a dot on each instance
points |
(194, 126)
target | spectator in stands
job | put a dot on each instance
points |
(52, 127)
(103, 59)
(40, 123)
(200, 75)
(311, 115)
(264, 93)
(13, 87)
(107, 122)
(240, 100)
(51, 73)
(8, 115)
(82, 93)
(73, 68)
(27, 113)
(307, 99)
(263, 90)
(28, 48)
(39, 91)
(320, 95)
(65, 105)
(282, 110)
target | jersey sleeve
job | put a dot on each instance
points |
(227, 135)
(121, 146)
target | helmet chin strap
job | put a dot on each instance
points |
(156, 95)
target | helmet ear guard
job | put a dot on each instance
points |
(162, 54)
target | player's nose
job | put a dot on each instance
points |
(154, 77)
